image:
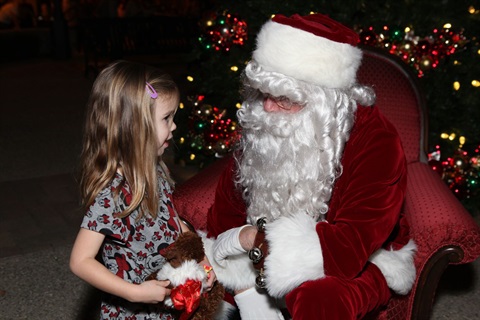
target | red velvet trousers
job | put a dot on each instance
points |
(333, 298)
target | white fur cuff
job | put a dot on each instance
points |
(295, 254)
(397, 267)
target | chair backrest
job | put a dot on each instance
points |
(398, 98)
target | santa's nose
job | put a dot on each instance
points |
(269, 105)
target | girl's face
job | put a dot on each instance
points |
(165, 110)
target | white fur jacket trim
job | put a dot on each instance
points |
(397, 267)
(295, 254)
(237, 273)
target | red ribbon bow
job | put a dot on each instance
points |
(187, 297)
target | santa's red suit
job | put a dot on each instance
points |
(345, 265)
(364, 215)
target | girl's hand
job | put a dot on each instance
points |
(151, 291)
(211, 276)
(211, 279)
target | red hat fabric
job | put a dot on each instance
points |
(312, 48)
(320, 25)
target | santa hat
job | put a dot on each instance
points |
(312, 48)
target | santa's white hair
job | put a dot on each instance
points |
(289, 162)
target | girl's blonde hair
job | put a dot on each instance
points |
(120, 133)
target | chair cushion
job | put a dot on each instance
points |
(195, 196)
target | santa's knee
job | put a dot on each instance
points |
(326, 298)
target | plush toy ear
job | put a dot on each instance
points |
(172, 255)
(188, 246)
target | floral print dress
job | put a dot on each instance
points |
(132, 249)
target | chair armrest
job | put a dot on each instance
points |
(429, 279)
(444, 231)
(437, 219)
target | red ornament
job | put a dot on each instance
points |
(436, 166)
(423, 46)
(422, 54)
(209, 130)
(368, 37)
(224, 31)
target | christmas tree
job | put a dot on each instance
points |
(438, 40)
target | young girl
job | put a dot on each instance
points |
(127, 191)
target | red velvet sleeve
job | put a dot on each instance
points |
(367, 200)
(228, 209)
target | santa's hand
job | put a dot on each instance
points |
(228, 244)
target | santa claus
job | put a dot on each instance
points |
(309, 211)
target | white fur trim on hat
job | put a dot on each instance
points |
(295, 254)
(397, 267)
(307, 57)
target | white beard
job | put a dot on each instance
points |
(289, 162)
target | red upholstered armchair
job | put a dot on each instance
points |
(444, 231)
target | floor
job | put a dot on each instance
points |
(41, 114)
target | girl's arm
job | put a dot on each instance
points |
(185, 227)
(85, 266)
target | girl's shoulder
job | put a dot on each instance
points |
(113, 198)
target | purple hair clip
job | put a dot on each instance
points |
(151, 91)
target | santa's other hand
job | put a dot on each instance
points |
(228, 244)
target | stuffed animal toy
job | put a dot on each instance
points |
(188, 279)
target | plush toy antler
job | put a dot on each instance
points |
(189, 278)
